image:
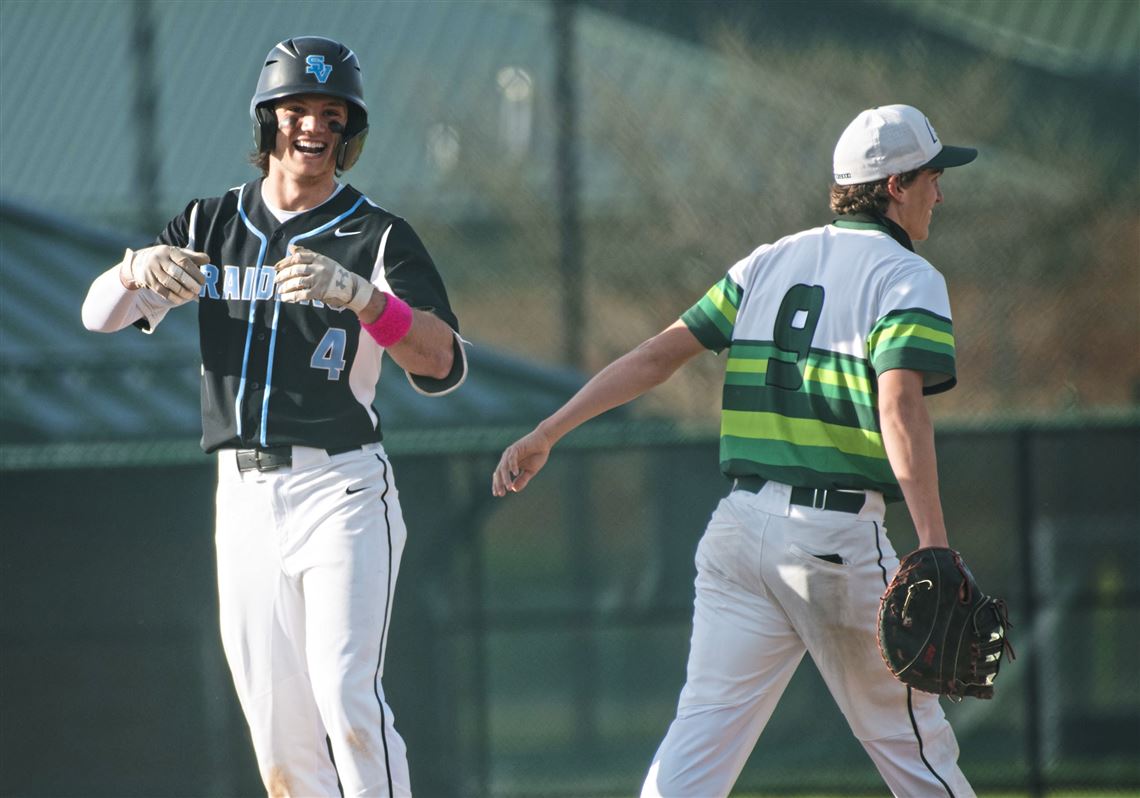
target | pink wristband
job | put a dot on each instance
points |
(393, 324)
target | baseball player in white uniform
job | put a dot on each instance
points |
(834, 335)
(301, 284)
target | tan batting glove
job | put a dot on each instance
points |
(173, 273)
(305, 274)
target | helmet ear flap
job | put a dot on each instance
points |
(265, 128)
(350, 149)
(353, 136)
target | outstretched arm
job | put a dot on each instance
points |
(908, 437)
(627, 378)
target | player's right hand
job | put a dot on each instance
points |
(303, 275)
(173, 273)
(520, 462)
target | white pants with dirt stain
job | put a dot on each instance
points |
(764, 596)
(307, 564)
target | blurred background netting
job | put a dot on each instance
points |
(700, 130)
(581, 172)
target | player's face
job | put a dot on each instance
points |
(916, 207)
(308, 128)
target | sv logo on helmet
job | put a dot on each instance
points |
(318, 68)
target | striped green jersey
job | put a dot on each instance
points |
(808, 322)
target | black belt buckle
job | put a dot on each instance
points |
(269, 459)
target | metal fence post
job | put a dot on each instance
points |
(145, 107)
(1025, 522)
(567, 180)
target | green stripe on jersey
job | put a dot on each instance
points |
(812, 466)
(836, 388)
(914, 339)
(849, 374)
(808, 432)
(823, 434)
(712, 318)
(826, 403)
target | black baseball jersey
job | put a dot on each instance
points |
(278, 373)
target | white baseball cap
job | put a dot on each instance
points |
(890, 140)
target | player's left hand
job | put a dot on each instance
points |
(304, 274)
(938, 632)
(520, 462)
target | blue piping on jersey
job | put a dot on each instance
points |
(252, 305)
(277, 314)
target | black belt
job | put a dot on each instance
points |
(839, 501)
(274, 457)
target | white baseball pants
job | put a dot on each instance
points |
(307, 564)
(763, 598)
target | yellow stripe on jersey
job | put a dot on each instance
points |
(747, 365)
(824, 376)
(722, 303)
(841, 379)
(911, 330)
(802, 432)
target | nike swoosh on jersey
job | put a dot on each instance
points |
(342, 233)
(351, 491)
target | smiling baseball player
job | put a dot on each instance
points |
(834, 335)
(302, 283)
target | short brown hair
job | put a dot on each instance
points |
(866, 197)
(260, 160)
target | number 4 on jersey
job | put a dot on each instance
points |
(795, 327)
(329, 354)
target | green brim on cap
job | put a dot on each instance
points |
(951, 156)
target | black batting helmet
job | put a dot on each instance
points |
(311, 65)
